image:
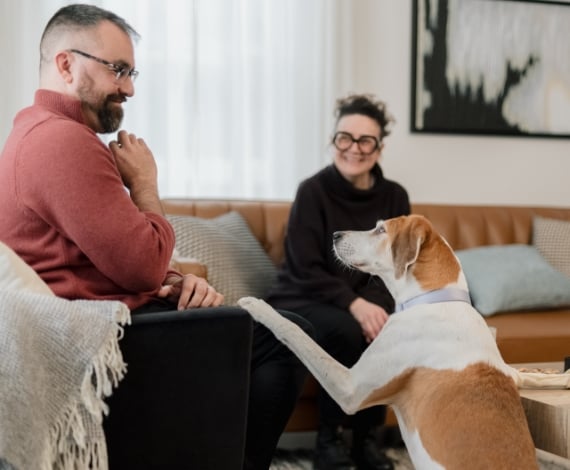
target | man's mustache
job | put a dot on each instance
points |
(117, 98)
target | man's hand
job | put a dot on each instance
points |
(371, 317)
(138, 171)
(190, 291)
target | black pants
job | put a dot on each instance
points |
(337, 331)
(276, 380)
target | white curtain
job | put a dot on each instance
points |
(234, 97)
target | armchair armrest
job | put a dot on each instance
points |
(189, 266)
(183, 401)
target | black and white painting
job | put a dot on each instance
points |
(491, 67)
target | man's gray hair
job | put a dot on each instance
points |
(77, 17)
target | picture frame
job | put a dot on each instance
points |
(494, 67)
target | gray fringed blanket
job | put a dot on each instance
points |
(58, 360)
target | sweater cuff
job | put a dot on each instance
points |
(172, 273)
(345, 300)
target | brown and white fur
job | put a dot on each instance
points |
(436, 364)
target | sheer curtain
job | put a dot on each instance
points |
(234, 97)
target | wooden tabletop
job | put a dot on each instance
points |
(558, 398)
(548, 413)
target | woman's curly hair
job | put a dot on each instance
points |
(366, 105)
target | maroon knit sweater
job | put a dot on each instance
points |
(65, 211)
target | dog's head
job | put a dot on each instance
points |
(402, 251)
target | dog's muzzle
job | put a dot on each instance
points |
(342, 249)
(337, 236)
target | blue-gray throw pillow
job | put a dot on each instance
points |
(504, 278)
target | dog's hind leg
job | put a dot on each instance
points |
(336, 379)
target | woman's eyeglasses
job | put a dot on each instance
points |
(366, 143)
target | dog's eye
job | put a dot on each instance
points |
(379, 229)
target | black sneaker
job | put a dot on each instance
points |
(368, 456)
(331, 452)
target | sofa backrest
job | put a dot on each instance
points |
(462, 226)
(471, 226)
(266, 219)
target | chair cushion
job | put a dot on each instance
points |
(16, 274)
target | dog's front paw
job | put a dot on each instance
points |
(257, 308)
(245, 302)
(252, 304)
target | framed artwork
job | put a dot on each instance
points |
(498, 67)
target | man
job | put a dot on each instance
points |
(66, 212)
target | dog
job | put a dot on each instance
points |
(435, 360)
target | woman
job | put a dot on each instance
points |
(347, 308)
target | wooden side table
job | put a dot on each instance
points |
(548, 414)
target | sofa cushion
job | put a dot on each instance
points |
(16, 274)
(512, 277)
(551, 237)
(237, 264)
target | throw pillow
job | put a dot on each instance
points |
(15, 274)
(512, 277)
(237, 264)
(551, 237)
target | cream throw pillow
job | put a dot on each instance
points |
(551, 237)
(237, 264)
(16, 274)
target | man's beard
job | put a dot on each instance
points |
(109, 114)
(110, 117)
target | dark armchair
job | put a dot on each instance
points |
(183, 401)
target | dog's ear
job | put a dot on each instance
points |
(407, 243)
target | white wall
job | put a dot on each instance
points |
(19, 56)
(441, 168)
(434, 168)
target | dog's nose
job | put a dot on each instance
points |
(337, 235)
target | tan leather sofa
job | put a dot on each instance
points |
(521, 336)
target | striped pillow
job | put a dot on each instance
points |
(551, 237)
(238, 266)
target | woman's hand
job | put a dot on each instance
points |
(190, 291)
(370, 316)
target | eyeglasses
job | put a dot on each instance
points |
(366, 143)
(119, 70)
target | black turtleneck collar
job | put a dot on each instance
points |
(340, 187)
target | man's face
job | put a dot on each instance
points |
(101, 92)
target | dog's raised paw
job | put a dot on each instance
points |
(245, 302)
(260, 310)
(252, 305)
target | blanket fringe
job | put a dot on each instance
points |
(106, 370)
(93, 456)
(68, 449)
